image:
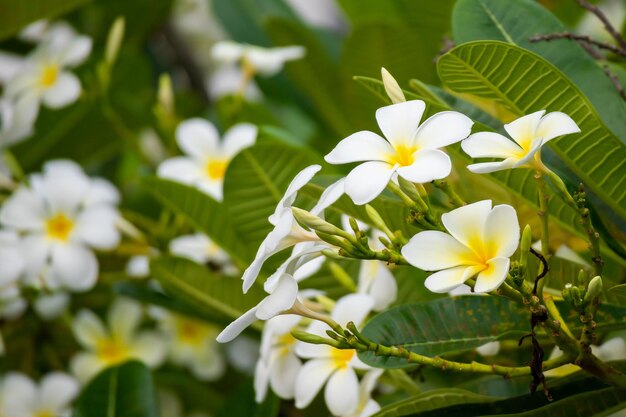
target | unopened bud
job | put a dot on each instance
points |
(114, 40)
(593, 290)
(409, 189)
(526, 241)
(165, 94)
(567, 293)
(312, 338)
(581, 279)
(377, 220)
(316, 223)
(392, 87)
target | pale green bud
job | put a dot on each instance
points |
(392, 87)
(593, 290)
(165, 94)
(114, 40)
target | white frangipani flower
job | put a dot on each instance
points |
(411, 150)
(480, 242)
(529, 134)
(44, 76)
(255, 59)
(278, 364)
(337, 366)
(120, 342)
(206, 159)
(61, 216)
(191, 343)
(198, 248)
(227, 80)
(22, 397)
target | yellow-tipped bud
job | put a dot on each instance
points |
(392, 87)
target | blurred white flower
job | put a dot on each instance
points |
(411, 150)
(337, 366)
(480, 242)
(51, 306)
(199, 248)
(206, 159)
(529, 134)
(151, 147)
(43, 77)
(118, 343)
(278, 364)
(227, 80)
(613, 349)
(61, 216)
(243, 353)
(321, 13)
(138, 266)
(17, 119)
(22, 397)
(255, 59)
(12, 305)
(489, 349)
(191, 344)
(377, 280)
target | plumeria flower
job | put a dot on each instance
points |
(120, 342)
(191, 343)
(411, 150)
(331, 366)
(44, 76)
(278, 364)
(62, 215)
(376, 279)
(198, 248)
(529, 134)
(227, 80)
(480, 242)
(22, 397)
(206, 159)
(255, 59)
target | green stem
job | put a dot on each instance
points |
(448, 188)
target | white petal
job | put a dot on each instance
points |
(524, 129)
(429, 165)
(384, 288)
(488, 167)
(10, 65)
(227, 52)
(365, 182)
(310, 380)
(124, 317)
(502, 231)
(443, 129)
(65, 90)
(35, 250)
(270, 61)
(88, 329)
(449, 279)
(180, 169)
(23, 210)
(352, 307)
(149, 347)
(138, 266)
(238, 137)
(96, 227)
(432, 250)
(101, 191)
(489, 349)
(57, 391)
(281, 299)
(360, 146)
(467, 223)
(194, 247)
(51, 306)
(399, 122)
(261, 380)
(235, 328)
(493, 276)
(63, 185)
(301, 179)
(11, 265)
(283, 373)
(86, 365)
(77, 51)
(74, 267)
(490, 145)
(198, 138)
(371, 408)
(331, 194)
(556, 124)
(342, 392)
(20, 393)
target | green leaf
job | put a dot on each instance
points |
(494, 72)
(255, 182)
(201, 211)
(15, 14)
(217, 296)
(431, 400)
(474, 20)
(462, 323)
(126, 390)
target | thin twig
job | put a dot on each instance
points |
(607, 25)
(615, 80)
(580, 38)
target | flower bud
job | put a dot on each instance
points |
(313, 222)
(409, 189)
(392, 87)
(165, 94)
(313, 339)
(526, 241)
(114, 40)
(378, 221)
(593, 290)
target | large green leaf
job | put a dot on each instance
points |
(432, 400)
(495, 72)
(126, 390)
(462, 323)
(256, 181)
(205, 214)
(218, 296)
(15, 14)
(474, 20)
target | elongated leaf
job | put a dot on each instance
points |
(432, 400)
(218, 296)
(126, 390)
(495, 71)
(205, 214)
(462, 323)
(15, 14)
(256, 181)
(474, 20)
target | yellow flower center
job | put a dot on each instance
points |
(113, 351)
(59, 227)
(49, 75)
(191, 331)
(403, 156)
(44, 413)
(341, 357)
(285, 342)
(216, 169)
